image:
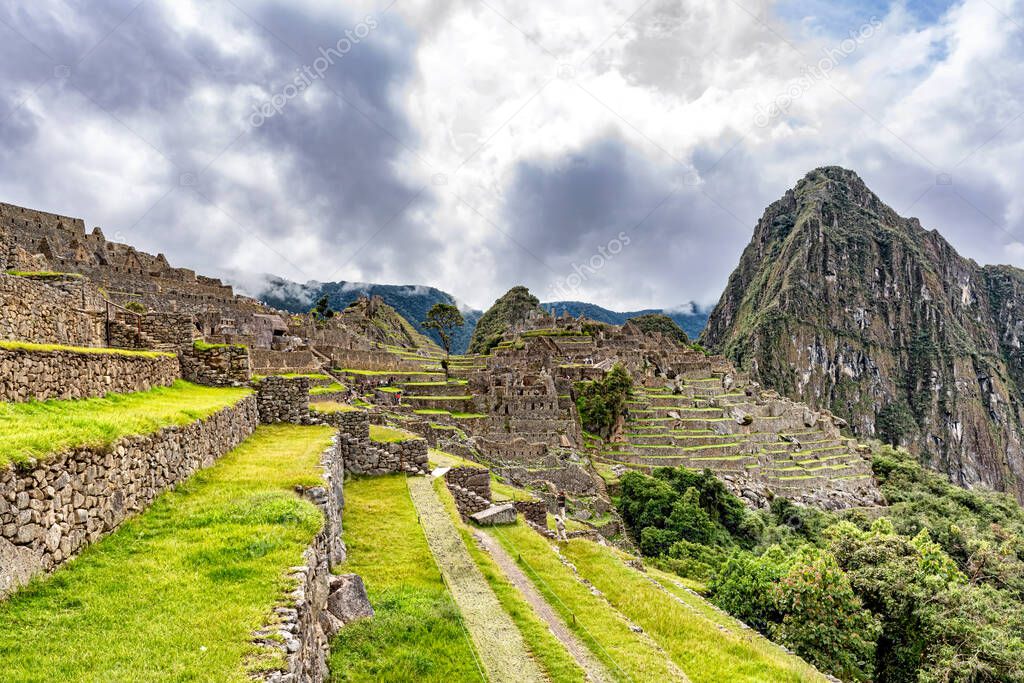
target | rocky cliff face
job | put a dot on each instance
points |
(841, 303)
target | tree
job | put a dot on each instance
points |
(444, 318)
(322, 311)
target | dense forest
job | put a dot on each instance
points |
(930, 592)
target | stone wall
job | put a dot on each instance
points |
(533, 511)
(216, 366)
(321, 603)
(49, 513)
(266, 362)
(370, 360)
(42, 375)
(36, 312)
(470, 487)
(363, 456)
(283, 399)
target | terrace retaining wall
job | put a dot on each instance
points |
(37, 312)
(363, 456)
(316, 609)
(283, 399)
(51, 511)
(42, 375)
(216, 366)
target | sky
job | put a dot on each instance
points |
(612, 151)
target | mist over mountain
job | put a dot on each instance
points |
(413, 302)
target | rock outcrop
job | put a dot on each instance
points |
(842, 304)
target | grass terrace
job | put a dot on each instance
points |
(44, 274)
(334, 407)
(417, 633)
(37, 429)
(628, 655)
(99, 350)
(382, 434)
(175, 593)
(448, 413)
(390, 373)
(558, 665)
(708, 647)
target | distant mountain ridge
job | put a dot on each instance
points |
(692, 321)
(413, 302)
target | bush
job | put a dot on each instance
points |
(824, 621)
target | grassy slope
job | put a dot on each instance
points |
(37, 429)
(626, 654)
(175, 593)
(95, 350)
(552, 657)
(417, 633)
(690, 634)
(384, 434)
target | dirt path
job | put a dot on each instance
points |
(594, 669)
(499, 644)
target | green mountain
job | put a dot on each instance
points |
(690, 317)
(411, 302)
(841, 303)
(511, 308)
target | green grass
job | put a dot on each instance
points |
(443, 459)
(687, 633)
(200, 345)
(333, 407)
(627, 656)
(293, 375)
(329, 389)
(44, 274)
(51, 348)
(37, 429)
(382, 434)
(417, 633)
(385, 373)
(175, 593)
(549, 653)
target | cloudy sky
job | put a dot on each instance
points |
(476, 144)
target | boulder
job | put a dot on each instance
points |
(348, 601)
(496, 514)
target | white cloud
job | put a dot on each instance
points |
(413, 174)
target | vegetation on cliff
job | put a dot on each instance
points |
(379, 322)
(512, 308)
(933, 591)
(841, 303)
(601, 403)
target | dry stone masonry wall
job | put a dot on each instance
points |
(363, 456)
(321, 603)
(44, 314)
(218, 366)
(49, 513)
(43, 375)
(284, 399)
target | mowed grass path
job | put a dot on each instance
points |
(707, 647)
(417, 633)
(627, 655)
(175, 593)
(37, 429)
